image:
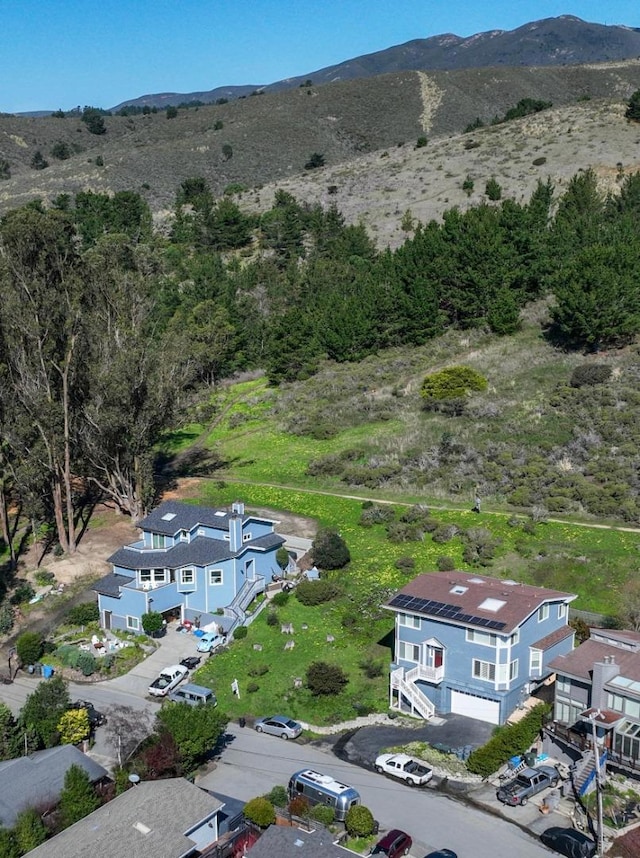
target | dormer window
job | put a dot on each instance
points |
(184, 536)
(157, 540)
(543, 612)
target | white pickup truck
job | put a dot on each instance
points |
(167, 679)
(402, 766)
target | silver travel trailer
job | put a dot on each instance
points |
(323, 789)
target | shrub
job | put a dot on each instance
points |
(588, 374)
(92, 118)
(453, 382)
(44, 578)
(507, 742)
(376, 514)
(29, 647)
(227, 151)
(525, 107)
(6, 618)
(22, 593)
(172, 111)
(39, 162)
(445, 563)
(5, 169)
(68, 655)
(61, 151)
(299, 806)
(468, 186)
(282, 557)
(538, 162)
(152, 622)
(493, 190)
(87, 663)
(329, 550)
(99, 161)
(371, 668)
(316, 592)
(325, 679)
(633, 107)
(272, 618)
(280, 599)
(259, 670)
(444, 533)
(260, 811)
(421, 142)
(252, 687)
(278, 796)
(405, 564)
(241, 632)
(218, 125)
(323, 814)
(359, 821)
(315, 160)
(83, 614)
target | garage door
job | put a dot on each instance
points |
(475, 707)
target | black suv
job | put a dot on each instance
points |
(96, 719)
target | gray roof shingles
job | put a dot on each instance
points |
(167, 808)
(39, 778)
(288, 842)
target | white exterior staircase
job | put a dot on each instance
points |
(402, 684)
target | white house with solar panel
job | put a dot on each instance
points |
(474, 645)
(192, 563)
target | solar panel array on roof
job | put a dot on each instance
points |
(441, 609)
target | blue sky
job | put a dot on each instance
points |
(64, 53)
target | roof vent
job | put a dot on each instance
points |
(298, 842)
(142, 828)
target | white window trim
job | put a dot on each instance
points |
(562, 610)
(535, 655)
(409, 621)
(158, 541)
(184, 536)
(513, 670)
(133, 623)
(403, 645)
(479, 667)
(543, 612)
(190, 571)
(213, 583)
(159, 576)
(514, 640)
(145, 575)
(479, 638)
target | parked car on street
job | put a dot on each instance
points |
(442, 853)
(527, 783)
(402, 766)
(279, 725)
(96, 719)
(191, 662)
(210, 641)
(569, 842)
(393, 844)
(168, 678)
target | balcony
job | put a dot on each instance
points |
(423, 673)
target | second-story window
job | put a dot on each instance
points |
(543, 612)
(408, 652)
(482, 638)
(157, 540)
(409, 620)
(215, 576)
(187, 576)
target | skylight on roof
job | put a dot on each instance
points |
(168, 516)
(219, 513)
(142, 828)
(458, 589)
(492, 605)
(476, 581)
(510, 582)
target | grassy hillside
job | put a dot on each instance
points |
(366, 129)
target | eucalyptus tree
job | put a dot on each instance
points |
(44, 300)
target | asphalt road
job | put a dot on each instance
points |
(252, 763)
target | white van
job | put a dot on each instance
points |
(193, 695)
(323, 789)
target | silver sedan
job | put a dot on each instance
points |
(279, 725)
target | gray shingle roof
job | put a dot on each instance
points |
(171, 516)
(201, 551)
(285, 842)
(39, 779)
(111, 583)
(163, 810)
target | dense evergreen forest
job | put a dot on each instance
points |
(109, 330)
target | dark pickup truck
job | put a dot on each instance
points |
(528, 782)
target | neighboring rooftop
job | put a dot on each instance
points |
(285, 842)
(494, 604)
(579, 662)
(147, 821)
(38, 779)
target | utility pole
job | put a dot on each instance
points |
(600, 831)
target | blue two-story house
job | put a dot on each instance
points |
(473, 645)
(191, 563)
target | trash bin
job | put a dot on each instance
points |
(47, 671)
(530, 758)
(242, 721)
